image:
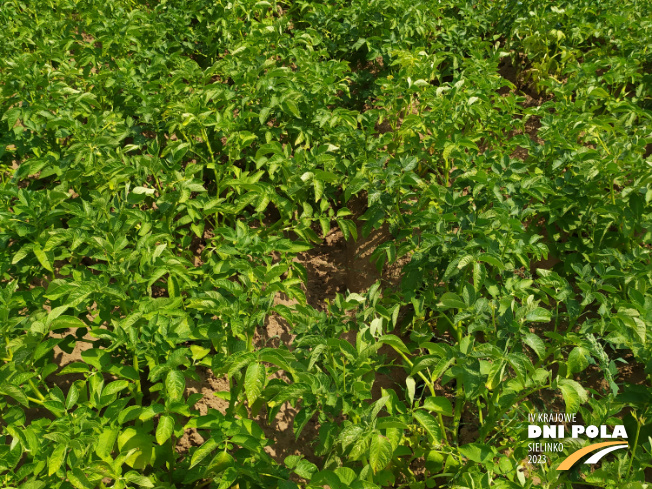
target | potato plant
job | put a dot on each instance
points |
(168, 167)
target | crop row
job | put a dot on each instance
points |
(165, 164)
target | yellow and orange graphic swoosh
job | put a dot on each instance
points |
(575, 456)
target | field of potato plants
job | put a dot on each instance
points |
(300, 244)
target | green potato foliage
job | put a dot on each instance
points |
(166, 165)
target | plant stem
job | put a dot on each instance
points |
(139, 390)
(218, 174)
(638, 431)
(443, 428)
(455, 330)
(459, 405)
(35, 390)
(515, 403)
(431, 387)
(420, 374)
(478, 403)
